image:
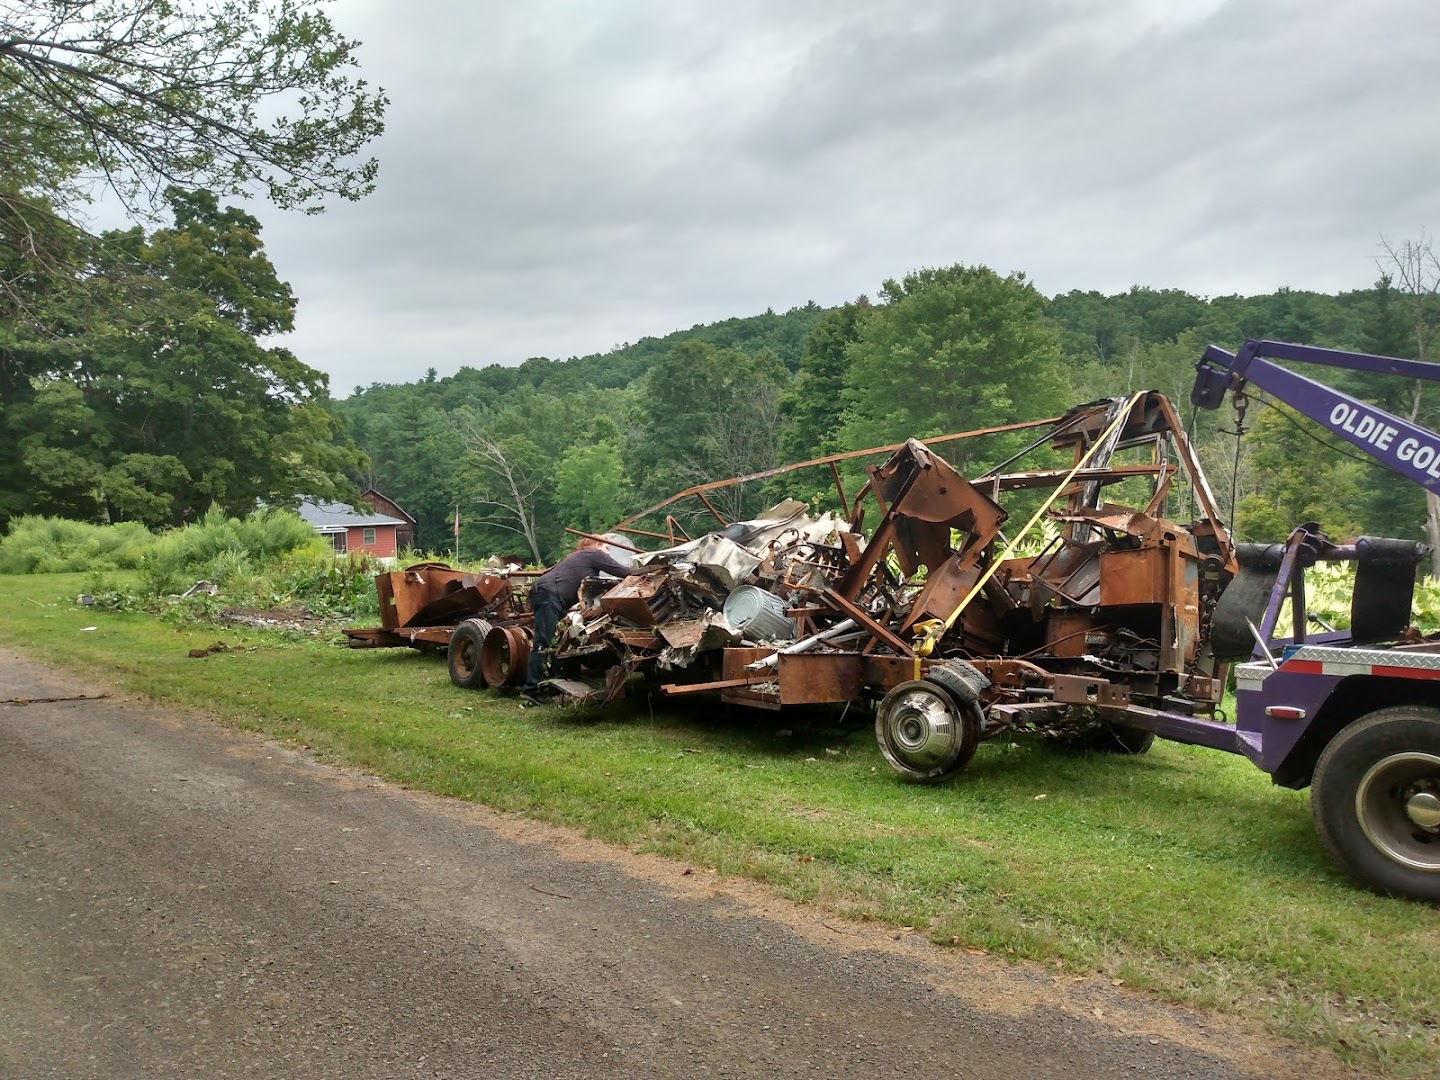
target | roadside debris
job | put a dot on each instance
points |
(937, 607)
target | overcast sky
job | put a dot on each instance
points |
(560, 177)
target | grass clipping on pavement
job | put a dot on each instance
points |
(1184, 872)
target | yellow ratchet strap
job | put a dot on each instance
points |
(929, 632)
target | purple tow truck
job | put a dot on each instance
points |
(1354, 714)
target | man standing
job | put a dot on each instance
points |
(555, 593)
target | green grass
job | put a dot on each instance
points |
(1183, 872)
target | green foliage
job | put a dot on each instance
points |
(590, 485)
(814, 405)
(49, 545)
(161, 400)
(1289, 460)
(707, 414)
(225, 549)
(327, 587)
(1330, 593)
(230, 95)
(951, 350)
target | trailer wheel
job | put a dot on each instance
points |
(1376, 801)
(924, 733)
(464, 654)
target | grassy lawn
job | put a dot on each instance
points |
(1183, 871)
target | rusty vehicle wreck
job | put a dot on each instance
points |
(1093, 624)
(1109, 615)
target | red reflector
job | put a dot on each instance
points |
(1285, 712)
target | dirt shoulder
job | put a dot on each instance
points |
(181, 899)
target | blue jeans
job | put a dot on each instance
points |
(548, 609)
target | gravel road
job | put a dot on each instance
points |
(181, 900)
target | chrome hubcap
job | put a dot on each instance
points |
(1424, 809)
(1398, 806)
(924, 732)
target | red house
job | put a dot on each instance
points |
(350, 530)
(383, 504)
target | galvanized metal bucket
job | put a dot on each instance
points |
(758, 614)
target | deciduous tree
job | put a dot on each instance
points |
(950, 350)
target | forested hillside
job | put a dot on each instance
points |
(152, 394)
(524, 451)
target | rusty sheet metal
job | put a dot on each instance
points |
(1140, 576)
(819, 678)
(685, 634)
(434, 594)
(926, 499)
(1066, 631)
(635, 639)
(643, 601)
(376, 638)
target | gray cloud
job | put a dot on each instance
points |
(557, 178)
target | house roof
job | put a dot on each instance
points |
(398, 508)
(334, 516)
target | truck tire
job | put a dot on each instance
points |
(964, 681)
(464, 654)
(1376, 801)
(924, 733)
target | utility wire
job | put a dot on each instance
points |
(1316, 438)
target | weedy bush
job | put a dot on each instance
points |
(227, 550)
(50, 545)
(328, 587)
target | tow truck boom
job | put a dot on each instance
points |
(1397, 443)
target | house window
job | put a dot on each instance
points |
(337, 541)
(370, 535)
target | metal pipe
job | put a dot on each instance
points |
(602, 540)
(804, 645)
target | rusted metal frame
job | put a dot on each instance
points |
(1162, 486)
(839, 486)
(857, 514)
(1199, 483)
(1299, 616)
(1042, 477)
(602, 540)
(933, 634)
(992, 473)
(1087, 629)
(1162, 492)
(861, 616)
(676, 689)
(849, 455)
(858, 572)
(630, 531)
(711, 507)
(672, 523)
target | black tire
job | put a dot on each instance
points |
(1376, 801)
(463, 655)
(924, 732)
(1114, 739)
(964, 681)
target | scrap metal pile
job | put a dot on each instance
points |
(956, 621)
